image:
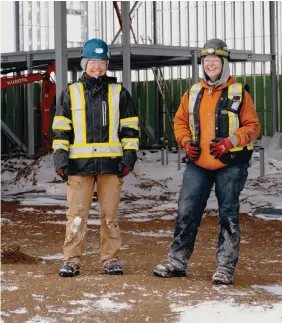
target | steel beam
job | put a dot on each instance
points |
(143, 54)
(17, 26)
(30, 111)
(273, 76)
(126, 71)
(12, 136)
(61, 56)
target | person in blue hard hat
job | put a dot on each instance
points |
(95, 143)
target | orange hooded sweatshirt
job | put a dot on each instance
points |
(248, 132)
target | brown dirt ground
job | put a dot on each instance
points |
(43, 293)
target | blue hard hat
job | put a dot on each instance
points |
(95, 48)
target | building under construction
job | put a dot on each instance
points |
(154, 49)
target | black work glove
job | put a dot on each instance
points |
(127, 162)
(123, 170)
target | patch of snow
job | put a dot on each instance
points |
(4, 220)
(215, 312)
(40, 319)
(9, 288)
(159, 233)
(104, 304)
(273, 289)
(21, 310)
(39, 298)
(27, 209)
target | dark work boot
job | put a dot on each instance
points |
(167, 270)
(69, 269)
(220, 278)
(112, 267)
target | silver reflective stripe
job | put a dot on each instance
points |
(61, 124)
(96, 150)
(59, 145)
(115, 112)
(77, 114)
(193, 93)
(130, 144)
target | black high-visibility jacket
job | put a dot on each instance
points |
(95, 126)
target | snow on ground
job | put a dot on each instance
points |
(145, 189)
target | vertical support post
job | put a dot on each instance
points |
(29, 5)
(162, 155)
(17, 26)
(30, 110)
(47, 25)
(38, 28)
(195, 70)
(60, 27)
(273, 76)
(126, 72)
(158, 107)
(74, 74)
(261, 161)
(179, 158)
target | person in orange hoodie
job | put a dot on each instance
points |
(216, 123)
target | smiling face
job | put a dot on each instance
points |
(96, 67)
(212, 66)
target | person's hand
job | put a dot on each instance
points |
(218, 148)
(63, 173)
(192, 150)
(123, 170)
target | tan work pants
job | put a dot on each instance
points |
(79, 198)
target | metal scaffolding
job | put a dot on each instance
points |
(169, 35)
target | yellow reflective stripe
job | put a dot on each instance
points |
(60, 144)
(83, 113)
(241, 148)
(61, 123)
(94, 150)
(131, 119)
(193, 93)
(78, 112)
(96, 144)
(235, 89)
(61, 118)
(73, 109)
(132, 122)
(95, 155)
(130, 143)
(110, 103)
(233, 122)
(113, 102)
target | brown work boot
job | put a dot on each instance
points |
(112, 267)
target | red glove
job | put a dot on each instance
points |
(218, 148)
(63, 173)
(192, 149)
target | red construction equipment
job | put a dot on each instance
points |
(48, 94)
